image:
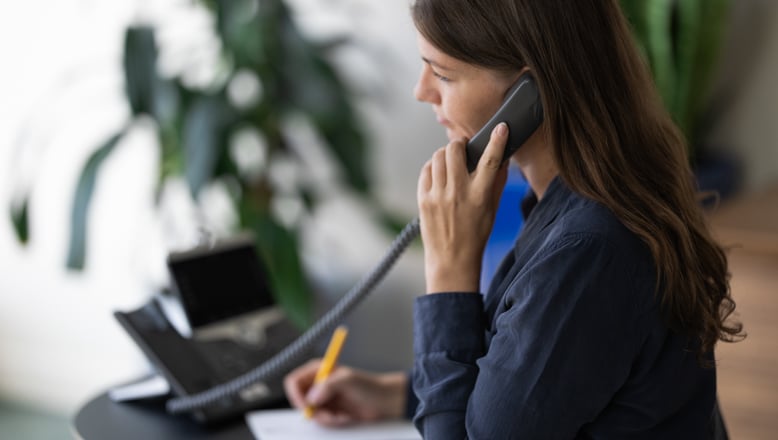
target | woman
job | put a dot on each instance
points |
(602, 322)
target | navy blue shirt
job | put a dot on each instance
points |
(567, 343)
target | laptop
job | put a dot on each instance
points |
(233, 324)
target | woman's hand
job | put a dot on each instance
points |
(457, 211)
(347, 396)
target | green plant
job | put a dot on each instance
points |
(291, 78)
(681, 40)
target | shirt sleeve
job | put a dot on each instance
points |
(411, 402)
(560, 350)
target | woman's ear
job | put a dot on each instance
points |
(523, 70)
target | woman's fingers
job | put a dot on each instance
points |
(333, 418)
(448, 166)
(433, 176)
(456, 164)
(322, 392)
(425, 181)
(299, 381)
(490, 164)
(439, 169)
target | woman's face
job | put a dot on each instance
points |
(463, 96)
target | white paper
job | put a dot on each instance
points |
(290, 424)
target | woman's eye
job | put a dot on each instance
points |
(441, 77)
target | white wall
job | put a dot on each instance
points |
(61, 91)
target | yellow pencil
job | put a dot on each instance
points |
(330, 358)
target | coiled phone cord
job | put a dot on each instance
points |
(294, 351)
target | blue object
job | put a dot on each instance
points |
(507, 225)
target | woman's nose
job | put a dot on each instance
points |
(423, 91)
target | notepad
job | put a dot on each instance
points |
(290, 424)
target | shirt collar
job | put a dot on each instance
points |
(554, 193)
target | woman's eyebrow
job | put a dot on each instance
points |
(435, 64)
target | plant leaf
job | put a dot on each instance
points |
(140, 64)
(660, 48)
(202, 139)
(165, 102)
(713, 25)
(315, 87)
(243, 29)
(635, 11)
(278, 249)
(83, 198)
(21, 221)
(688, 44)
(348, 145)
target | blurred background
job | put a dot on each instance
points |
(134, 128)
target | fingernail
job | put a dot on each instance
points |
(501, 129)
(313, 394)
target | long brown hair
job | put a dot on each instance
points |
(613, 140)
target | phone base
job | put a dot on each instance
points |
(150, 387)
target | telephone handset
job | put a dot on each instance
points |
(522, 111)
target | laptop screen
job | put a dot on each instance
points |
(220, 282)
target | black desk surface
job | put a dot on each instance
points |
(101, 418)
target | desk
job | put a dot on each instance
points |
(101, 418)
